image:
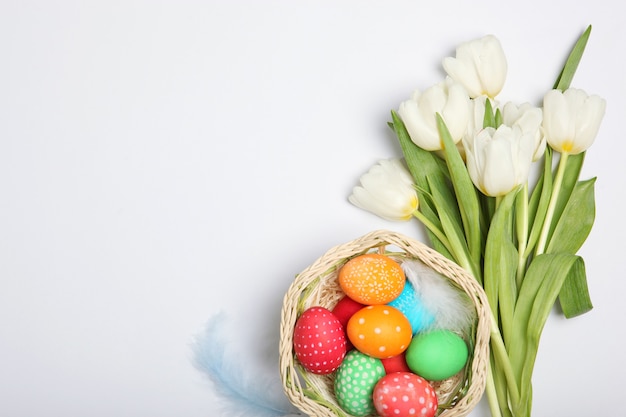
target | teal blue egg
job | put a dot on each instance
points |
(411, 305)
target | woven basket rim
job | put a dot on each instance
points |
(309, 392)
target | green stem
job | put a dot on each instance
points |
(492, 395)
(434, 229)
(558, 181)
(498, 201)
(522, 234)
(461, 258)
(502, 396)
(502, 360)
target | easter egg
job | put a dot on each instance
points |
(404, 394)
(379, 331)
(395, 364)
(410, 304)
(343, 310)
(319, 341)
(355, 381)
(372, 279)
(437, 354)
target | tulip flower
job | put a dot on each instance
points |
(387, 190)
(477, 116)
(480, 65)
(529, 119)
(447, 98)
(572, 119)
(498, 160)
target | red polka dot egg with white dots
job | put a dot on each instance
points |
(404, 394)
(319, 340)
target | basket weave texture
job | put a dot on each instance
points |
(318, 285)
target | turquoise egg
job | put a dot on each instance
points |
(437, 354)
(410, 304)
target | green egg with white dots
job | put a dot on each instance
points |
(436, 355)
(355, 381)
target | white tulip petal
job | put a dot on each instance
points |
(492, 66)
(588, 124)
(421, 132)
(458, 70)
(498, 178)
(456, 112)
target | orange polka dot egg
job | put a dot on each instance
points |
(372, 279)
(380, 331)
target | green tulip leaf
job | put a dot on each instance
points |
(465, 191)
(498, 118)
(489, 119)
(538, 293)
(539, 201)
(564, 79)
(573, 167)
(542, 284)
(576, 221)
(427, 208)
(569, 235)
(500, 264)
(574, 296)
(453, 230)
(426, 170)
(421, 163)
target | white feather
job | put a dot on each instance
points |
(244, 390)
(451, 307)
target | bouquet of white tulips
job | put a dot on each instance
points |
(469, 160)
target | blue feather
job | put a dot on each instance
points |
(243, 392)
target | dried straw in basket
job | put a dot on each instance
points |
(317, 285)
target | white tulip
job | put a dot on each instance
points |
(477, 116)
(480, 65)
(447, 98)
(529, 119)
(475, 122)
(387, 190)
(571, 119)
(498, 160)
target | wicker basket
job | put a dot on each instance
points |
(317, 285)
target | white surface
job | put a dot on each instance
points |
(164, 161)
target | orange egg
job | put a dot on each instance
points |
(372, 279)
(380, 331)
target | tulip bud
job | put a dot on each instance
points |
(480, 65)
(498, 160)
(447, 98)
(572, 119)
(387, 190)
(529, 119)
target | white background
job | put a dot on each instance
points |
(164, 161)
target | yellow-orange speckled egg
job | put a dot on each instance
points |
(380, 331)
(372, 279)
